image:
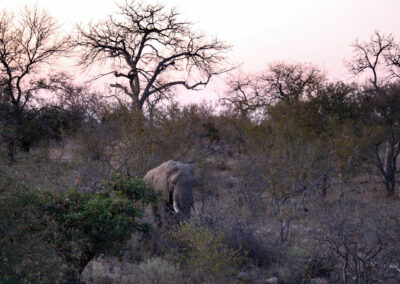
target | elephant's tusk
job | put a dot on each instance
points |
(195, 210)
(176, 209)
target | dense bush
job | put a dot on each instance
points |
(26, 252)
(65, 230)
(37, 125)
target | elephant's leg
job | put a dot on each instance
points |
(156, 214)
(162, 209)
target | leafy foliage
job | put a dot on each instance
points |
(26, 253)
(72, 227)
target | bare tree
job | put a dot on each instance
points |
(27, 42)
(246, 94)
(292, 82)
(280, 82)
(150, 50)
(374, 57)
(380, 57)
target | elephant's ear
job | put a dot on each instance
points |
(149, 178)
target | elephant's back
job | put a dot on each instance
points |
(157, 178)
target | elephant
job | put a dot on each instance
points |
(174, 180)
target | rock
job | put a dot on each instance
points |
(319, 281)
(244, 276)
(108, 270)
(272, 280)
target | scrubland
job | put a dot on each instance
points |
(296, 175)
(276, 198)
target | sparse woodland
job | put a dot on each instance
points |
(296, 174)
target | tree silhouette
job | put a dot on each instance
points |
(150, 50)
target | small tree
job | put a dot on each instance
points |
(150, 50)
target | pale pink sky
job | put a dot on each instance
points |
(316, 31)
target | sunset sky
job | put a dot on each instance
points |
(263, 31)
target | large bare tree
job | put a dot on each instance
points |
(379, 58)
(27, 42)
(149, 50)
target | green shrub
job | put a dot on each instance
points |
(204, 251)
(135, 189)
(99, 222)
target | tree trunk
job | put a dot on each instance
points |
(390, 167)
(324, 186)
(14, 136)
(137, 104)
(11, 150)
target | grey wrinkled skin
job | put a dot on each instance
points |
(175, 181)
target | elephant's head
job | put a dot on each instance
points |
(181, 184)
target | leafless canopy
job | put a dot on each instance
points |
(151, 50)
(26, 43)
(379, 56)
(246, 94)
(280, 82)
(292, 82)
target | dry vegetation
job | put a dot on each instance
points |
(296, 178)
